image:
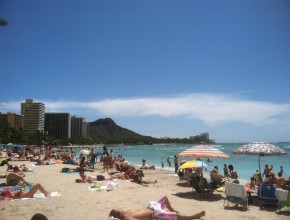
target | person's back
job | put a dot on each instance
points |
(14, 177)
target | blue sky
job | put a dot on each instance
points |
(159, 68)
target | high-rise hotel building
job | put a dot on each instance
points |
(14, 120)
(58, 125)
(34, 113)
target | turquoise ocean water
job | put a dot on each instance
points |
(246, 165)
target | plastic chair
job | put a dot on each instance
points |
(267, 196)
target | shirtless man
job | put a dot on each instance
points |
(153, 212)
(233, 172)
(15, 177)
(89, 179)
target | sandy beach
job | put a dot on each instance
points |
(76, 201)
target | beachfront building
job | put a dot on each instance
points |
(33, 113)
(203, 137)
(58, 125)
(15, 121)
(78, 127)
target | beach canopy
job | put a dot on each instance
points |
(193, 164)
(85, 152)
(15, 145)
(260, 148)
(203, 151)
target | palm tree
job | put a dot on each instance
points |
(3, 22)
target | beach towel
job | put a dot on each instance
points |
(281, 194)
(237, 190)
(108, 187)
(42, 196)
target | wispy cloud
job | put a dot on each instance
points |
(209, 108)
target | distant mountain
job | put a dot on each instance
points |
(107, 128)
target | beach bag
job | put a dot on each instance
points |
(64, 170)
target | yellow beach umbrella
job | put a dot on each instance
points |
(193, 164)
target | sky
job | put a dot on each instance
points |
(162, 68)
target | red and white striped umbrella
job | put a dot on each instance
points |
(203, 151)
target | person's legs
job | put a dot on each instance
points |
(164, 202)
(33, 190)
(196, 216)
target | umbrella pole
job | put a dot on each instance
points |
(260, 174)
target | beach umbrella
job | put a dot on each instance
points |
(193, 164)
(260, 149)
(85, 152)
(203, 151)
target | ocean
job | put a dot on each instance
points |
(245, 165)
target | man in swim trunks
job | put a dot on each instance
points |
(154, 210)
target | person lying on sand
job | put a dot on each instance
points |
(159, 209)
(137, 178)
(89, 179)
(20, 194)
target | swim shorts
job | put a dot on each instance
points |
(100, 177)
(158, 209)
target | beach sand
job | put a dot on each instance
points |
(76, 201)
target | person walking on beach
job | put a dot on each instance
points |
(168, 162)
(176, 163)
(160, 209)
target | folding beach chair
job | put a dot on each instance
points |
(284, 198)
(201, 187)
(267, 196)
(236, 194)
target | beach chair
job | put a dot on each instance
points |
(236, 194)
(284, 197)
(182, 175)
(267, 196)
(201, 187)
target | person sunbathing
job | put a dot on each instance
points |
(22, 194)
(14, 178)
(89, 179)
(159, 209)
(137, 178)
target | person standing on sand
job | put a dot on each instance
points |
(168, 162)
(233, 172)
(176, 163)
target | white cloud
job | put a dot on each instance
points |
(209, 108)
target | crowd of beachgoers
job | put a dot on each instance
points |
(93, 168)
